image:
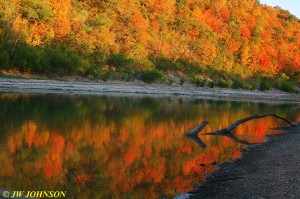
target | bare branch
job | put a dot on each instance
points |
(196, 130)
(193, 134)
(234, 125)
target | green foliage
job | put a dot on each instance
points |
(215, 74)
(238, 83)
(164, 64)
(178, 65)
(27, 58)
(265, 85)
(62, 59)
(182, 80)
(4, 58)
(36, 10)
(287, 87)
(211, 84)
(107, 75)
(224, 83)
(199, 82)
(241, 83)
(283, 77)
(119, 60)
(141, 64)
(98, 58)
(127, 75)
(151, 75)
(93, 70)
(249, 86)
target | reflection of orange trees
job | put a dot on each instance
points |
(52, 161)
(136, 155)
(258, 128)
(26, 135)
(54, 157)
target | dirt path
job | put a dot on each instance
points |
(269, 170)
(137, 88)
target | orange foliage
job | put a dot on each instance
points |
(225, 14)
(62, 14)
(171, 29)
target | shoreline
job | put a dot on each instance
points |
(267, 170)
(139, 88)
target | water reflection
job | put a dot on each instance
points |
(122, 147)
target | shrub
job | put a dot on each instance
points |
(164, 64)
(107, 75)
(211, 84)
(248, 86)
(224, 84)
(127, 75)
(98, 58)
(264, 85)
(287, 87)
(29, 58)
(199, 82)
(62, 59)
(95, 71)
(238, 83)
(151, 75)
(119, 60)
(4, 58)
(141, 64)
(182, 80)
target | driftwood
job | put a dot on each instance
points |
(196, 139)
(196, 130)
(241, 121)
(193, 134)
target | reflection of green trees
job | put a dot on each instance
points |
(62, 112)
(145, 150)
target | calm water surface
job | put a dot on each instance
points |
(121, 147)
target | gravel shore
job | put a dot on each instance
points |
(270, 170)
(138, 88)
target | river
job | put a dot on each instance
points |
(122, 147)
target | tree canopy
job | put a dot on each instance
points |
(241, 37)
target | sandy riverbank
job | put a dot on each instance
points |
(269, 170)
(139, 88)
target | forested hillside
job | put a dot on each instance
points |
(192, 37)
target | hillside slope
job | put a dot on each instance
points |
(238, 37)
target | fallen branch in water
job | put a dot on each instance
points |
(196, 130)
(193, 134)
(241, 121)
